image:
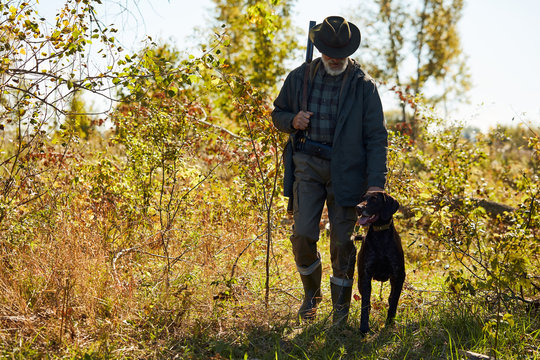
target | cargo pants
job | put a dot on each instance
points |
(312, 188)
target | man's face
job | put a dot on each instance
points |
(334, 66)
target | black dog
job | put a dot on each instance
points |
(381, 255)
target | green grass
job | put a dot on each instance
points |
(435, 330)
(422, 334)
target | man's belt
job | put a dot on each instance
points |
(314, 148)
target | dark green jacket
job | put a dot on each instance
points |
(360, 140)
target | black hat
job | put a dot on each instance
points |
(335, 37)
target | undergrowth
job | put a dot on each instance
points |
(167, 236)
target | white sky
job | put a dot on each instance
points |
(499, 37)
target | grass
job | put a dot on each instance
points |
(201, 315)
(81, 277)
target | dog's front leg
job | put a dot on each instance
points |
(396, 283)
(365, 291)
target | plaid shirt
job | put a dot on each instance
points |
(323, 102)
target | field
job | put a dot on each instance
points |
(157, 228)
(196, 263)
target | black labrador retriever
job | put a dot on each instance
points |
(381, 254)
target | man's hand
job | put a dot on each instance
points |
(301, 120)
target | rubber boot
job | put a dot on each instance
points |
(341, 302)
(312, 294)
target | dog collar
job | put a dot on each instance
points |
(382, 227)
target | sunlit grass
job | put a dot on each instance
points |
(82, 277)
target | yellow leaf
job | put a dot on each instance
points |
(424, 195)
(22, 51)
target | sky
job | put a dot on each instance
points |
(499, 38)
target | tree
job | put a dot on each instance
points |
(417, 48)
(77, 121)
(437, 48)
(261, 37)
(40, 72)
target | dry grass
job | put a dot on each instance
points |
(62, 297)
(84, 276)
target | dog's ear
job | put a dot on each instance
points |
(391, 206)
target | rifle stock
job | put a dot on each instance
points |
(309, 50)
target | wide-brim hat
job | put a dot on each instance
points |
(335, 37)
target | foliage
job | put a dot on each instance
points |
(41, 73)
(260, 39)
(423, 34)
(78, 121)
(494, 252)
(167, 236)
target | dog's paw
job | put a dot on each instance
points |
(364, 330)
(389, 322)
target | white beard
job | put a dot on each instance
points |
(335, 71)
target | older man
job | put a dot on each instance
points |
(338, 141)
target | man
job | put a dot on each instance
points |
(339, 147)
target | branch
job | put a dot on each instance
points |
(31, 94)
(493, 209)
(233, 135)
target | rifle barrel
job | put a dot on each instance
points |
(309, 50)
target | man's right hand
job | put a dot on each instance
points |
(301, 120)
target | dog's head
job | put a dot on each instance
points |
(376, 205)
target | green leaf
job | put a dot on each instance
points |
(171, 92)
(193, 79)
